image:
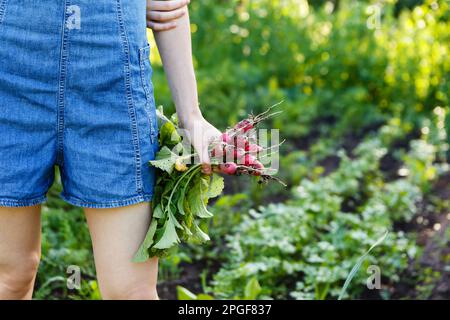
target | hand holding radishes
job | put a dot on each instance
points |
(183, 189)
(201, 134)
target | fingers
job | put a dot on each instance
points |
(157, 26)
(166, 5)
(203, 155)
(162, 16)
(206, 167)
(214, 136)
(201, 133)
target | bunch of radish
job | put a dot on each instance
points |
(238, 152)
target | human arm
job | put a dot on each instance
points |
(176, 54)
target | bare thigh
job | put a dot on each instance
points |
(20, 247)
(116, 235)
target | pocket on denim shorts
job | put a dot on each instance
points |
(3, 4)
(147, 85)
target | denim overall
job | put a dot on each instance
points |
(76, 92)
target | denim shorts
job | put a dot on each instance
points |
(76, 93)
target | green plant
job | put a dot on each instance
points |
(65, 242)
(314, 239)
(250, 292)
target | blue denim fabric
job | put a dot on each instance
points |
(76, 92)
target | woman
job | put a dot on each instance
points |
(76, 92)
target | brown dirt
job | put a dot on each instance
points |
(189, 279)
(433, 229)
(435, 243)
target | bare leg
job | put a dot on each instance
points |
(116, 235)
(20, 248)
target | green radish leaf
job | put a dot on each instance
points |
(168, 134)
(175, 221)
(216, 186)
(180, 149)
(174, 119)
(165, 160)
(169, 237)
(187, 230)
(358, 264)
(160, 111)
(189, 217)
(158, 212)
(196, 201)
(198, 207)
(204, 181)
(142, 254)
(199, 234)
(180, 204)
(183, 203)
(205, 213)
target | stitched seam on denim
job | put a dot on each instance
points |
(62, 87)
(22, 202)
(128, 201)
(142, 64)
(129, 96)
(2, 9)
(148, 101)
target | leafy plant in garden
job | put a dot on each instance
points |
(251, 291)
(306, 247)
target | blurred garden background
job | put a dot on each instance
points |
(366, 119)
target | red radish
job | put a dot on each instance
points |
(249, 160)
(217, 151)
(244, 125)
(257, 165)
(226, 138)
(229, 153)
(233, 154)
(241, 142)
(253, 148)
(228, 168)
(256, 172)
(239, 153)
(236, 153)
